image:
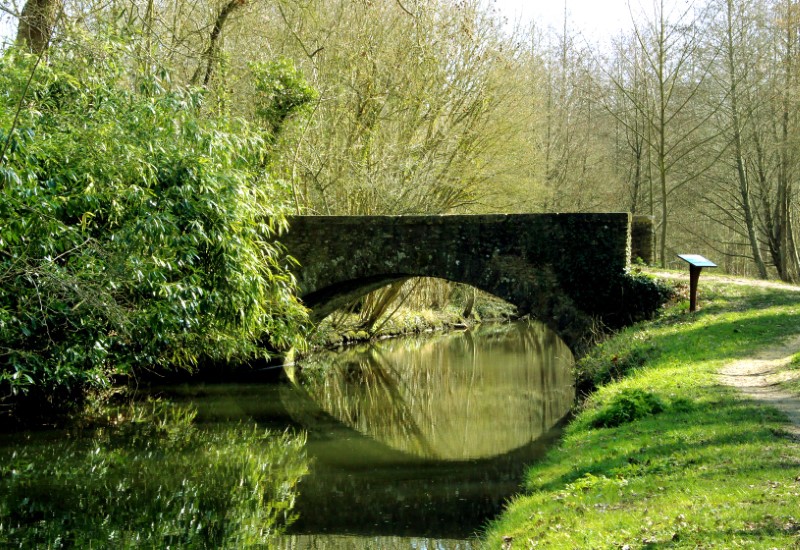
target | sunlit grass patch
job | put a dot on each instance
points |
(702, 468)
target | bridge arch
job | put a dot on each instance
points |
(566, 270)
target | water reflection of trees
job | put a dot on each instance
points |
(457, 396)
(151, 479)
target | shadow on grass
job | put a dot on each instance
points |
(681, 442)
(727, 339)
(721, 538)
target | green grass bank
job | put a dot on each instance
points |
(663, 455)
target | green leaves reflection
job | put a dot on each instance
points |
(154, 480)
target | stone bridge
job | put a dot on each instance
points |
(567, 270)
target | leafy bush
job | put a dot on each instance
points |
(642, 296)
(611, 361)
(280, 91)
(627, 406)
(135, 231)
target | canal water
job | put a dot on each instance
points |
(410, 443)
(417, 442)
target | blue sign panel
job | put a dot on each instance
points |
(697, 260)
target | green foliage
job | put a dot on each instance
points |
(135, 232)
(154, 480)
(613, 360)
(281, 90)
(627, 406)
(642, 297)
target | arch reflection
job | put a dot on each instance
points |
(458, 396)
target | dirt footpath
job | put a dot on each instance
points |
(760, 377)
(723, 279)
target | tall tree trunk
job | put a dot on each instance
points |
(662, 139)
(637, 178)
(664, 212)
(744, 191)
(36, 24)
(744, 187)
(786, 246)
(770, 225)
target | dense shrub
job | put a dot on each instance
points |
(627, 406)
(280, 90)
(135, 231)
(642, 296)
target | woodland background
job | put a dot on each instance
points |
(437, 106)
(145, 143)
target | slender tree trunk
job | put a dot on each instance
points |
(662, 172)
(470, 303)
(744, 187)
(651, 190)
(786, 247)
(744, 191)
(637, 178)
(770, 225)
(662, 132)
(664, 211)
(210, 55)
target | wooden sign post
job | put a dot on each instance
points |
(696, 264)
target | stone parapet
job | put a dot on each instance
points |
(565, 269)
(643, 239)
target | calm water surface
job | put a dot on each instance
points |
(417, 442)
(412, 443)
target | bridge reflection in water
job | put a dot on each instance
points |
(424, 437)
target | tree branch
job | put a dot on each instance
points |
(211, 51)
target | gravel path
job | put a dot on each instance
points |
(708, 276)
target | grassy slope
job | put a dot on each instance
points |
(711, 471)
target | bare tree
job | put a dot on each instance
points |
(734, 36)
(414, 106)
(676, 130)
(773, 130)
(632, 151)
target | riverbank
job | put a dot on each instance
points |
(665, 452)
(340, 330)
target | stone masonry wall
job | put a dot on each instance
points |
(643, 239)
(345, 255)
